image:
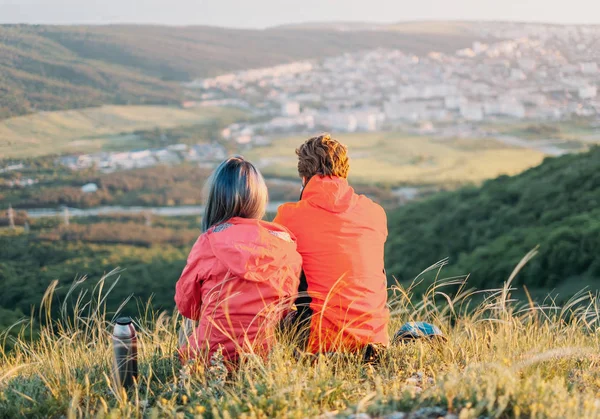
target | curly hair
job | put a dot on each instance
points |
(323, 156)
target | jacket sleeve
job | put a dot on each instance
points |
(279, 217)
(282, 218)
(188, 290)
(385, 223)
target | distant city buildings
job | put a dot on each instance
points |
(173, 154)
(532, 72)
(12, 167)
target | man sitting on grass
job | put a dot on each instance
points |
(341, 237)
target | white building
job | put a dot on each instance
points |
(527, 64)
(471, 111)
(406, 111)
(466, 53)
(505, 107)
(517, 74)
(226, 133)
(13, 167)
(89, 188)
(589, 68)
(285, 123)
(243, 139)
(139, 154)
(479, 47)
(435, 115)
(588, 92)
(177, 147)
(454, 102)
(569, 68)
(368, 121)
(290, 109)
(308, 97)
(338, 121)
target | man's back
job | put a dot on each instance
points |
(341, 237)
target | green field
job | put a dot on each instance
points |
(574, 133)
(402, 159)
(95, 129)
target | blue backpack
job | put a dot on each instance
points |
(418, 330)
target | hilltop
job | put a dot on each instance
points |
(501, 360)
(419, 26)
(64, 67)
(487, 230)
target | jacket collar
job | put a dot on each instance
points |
(331, 193)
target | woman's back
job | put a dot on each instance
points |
(240, 279)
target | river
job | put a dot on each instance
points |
(116, 209)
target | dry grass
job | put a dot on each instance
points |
(92, 129)
(396, 158)
(502, 359)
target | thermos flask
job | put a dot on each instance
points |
(125, 368)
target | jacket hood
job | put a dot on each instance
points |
(331, 193)
(254, 250)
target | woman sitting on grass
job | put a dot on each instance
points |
(242, 274)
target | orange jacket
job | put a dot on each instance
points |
(341, 236)
(240, 279)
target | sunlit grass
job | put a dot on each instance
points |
(95, 129)
(502, 359)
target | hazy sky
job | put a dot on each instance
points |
(263, 13)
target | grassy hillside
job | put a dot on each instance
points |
(39, 74)
(66, 67)
(487, 230)
(501, 360)
(96, 129)
(392, 158)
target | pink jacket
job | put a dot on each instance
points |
(241, 278)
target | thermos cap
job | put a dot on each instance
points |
(124, 321)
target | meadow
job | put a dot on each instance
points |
(395, 159)
(502, 359)
(98, 129)
(572, 132)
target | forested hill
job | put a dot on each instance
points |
(65, 67)
(486, 231)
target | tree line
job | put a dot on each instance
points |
(486, 230)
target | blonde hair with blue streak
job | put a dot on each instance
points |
(235, 189)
